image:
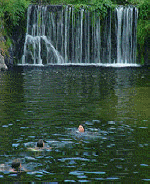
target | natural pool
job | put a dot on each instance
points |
(50, 102)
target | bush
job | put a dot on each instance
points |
(13, 17)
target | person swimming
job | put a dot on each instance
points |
(15, 167)
(80, 128)
(40, 146)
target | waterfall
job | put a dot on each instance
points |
(60, 35)
(126, 34)
(119, 37)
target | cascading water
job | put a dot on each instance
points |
(58, 35)
(126, 34)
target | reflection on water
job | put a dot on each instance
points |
(49, 103)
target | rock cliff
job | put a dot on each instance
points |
(3, 66)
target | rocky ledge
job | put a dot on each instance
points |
(3, 66)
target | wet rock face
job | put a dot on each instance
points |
(3, 66)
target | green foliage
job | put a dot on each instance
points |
(100, 6)
(12, 13)
(143, 10)
(13, 10)
(143, 27)
(39, 19)
(142, 31)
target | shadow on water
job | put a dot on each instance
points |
(49, 103)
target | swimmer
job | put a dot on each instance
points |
(40, 144)
(15, 166)
(80, 128)
(39, 147)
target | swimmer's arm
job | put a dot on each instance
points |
(36, 148)
(12, 170)
(49, 148)
(24, 169)
(29, 148)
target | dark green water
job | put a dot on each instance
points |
(51, 102)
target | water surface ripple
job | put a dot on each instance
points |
(49, 103)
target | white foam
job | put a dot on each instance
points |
(119, 65)
(30, 64)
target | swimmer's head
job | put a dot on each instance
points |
(16, 164)
(80, 128)
(40, 143)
